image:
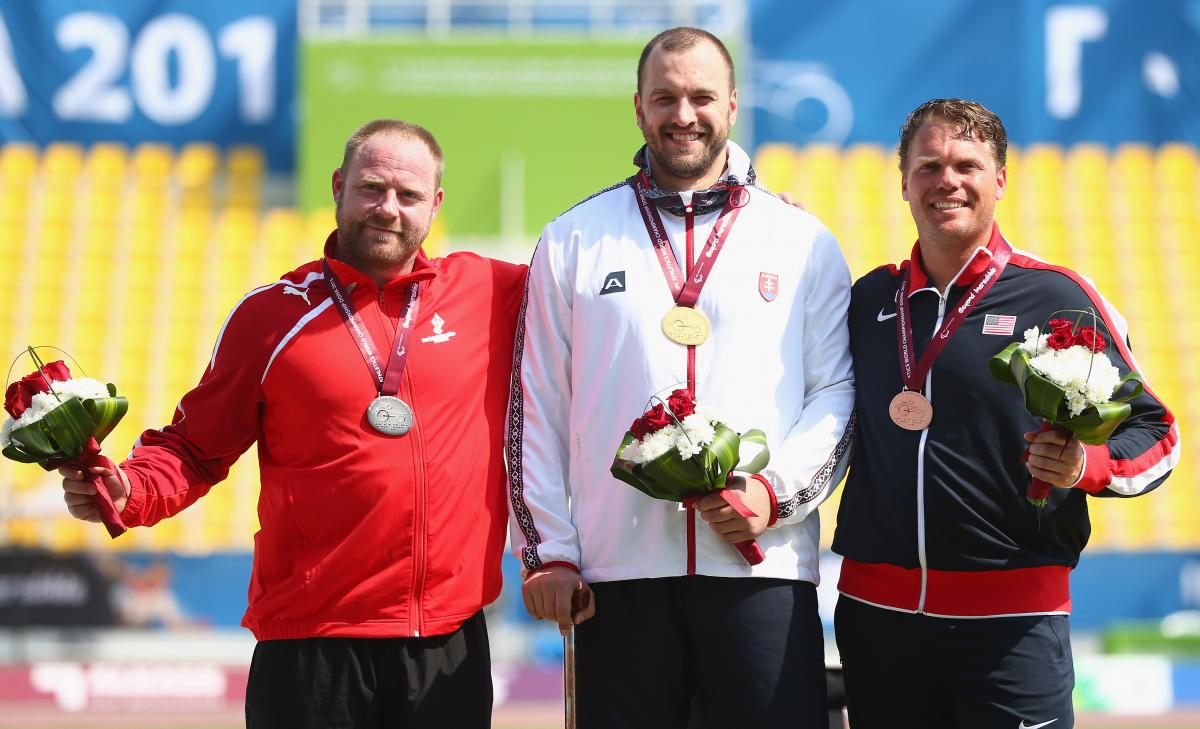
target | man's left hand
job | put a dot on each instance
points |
(726, 522)
(1055, 458)
(787, 197)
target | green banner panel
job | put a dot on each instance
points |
(528, 127)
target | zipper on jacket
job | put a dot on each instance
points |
(419, 516)
(921, 556)
(689, 221)
(419, 505)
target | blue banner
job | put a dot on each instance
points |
(1105, 71)
(134, 71)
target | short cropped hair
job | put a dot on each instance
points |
(680, 39)
(399, 128)
(971, 120)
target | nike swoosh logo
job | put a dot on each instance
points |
(884, 317)
(1035, 726)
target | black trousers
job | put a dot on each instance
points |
(908, 671)
(749, 649)
(373, 683)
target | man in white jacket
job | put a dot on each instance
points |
(677, 610)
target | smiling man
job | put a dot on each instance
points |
(382, 505)
(763, 290)
(955, 595)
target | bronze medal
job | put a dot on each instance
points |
(911, 411)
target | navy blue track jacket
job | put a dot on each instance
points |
(936, 521)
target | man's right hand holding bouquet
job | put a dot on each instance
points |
(675, 453)
(58, 421)
(79, 489)
(733, 526)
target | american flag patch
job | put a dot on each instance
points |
(999, 324)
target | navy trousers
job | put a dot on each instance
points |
(904, 670)
(750, 650)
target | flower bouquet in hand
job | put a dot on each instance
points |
(1068, 381)
(56, 420)
(676, 453)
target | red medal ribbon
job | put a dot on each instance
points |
(914, 375)
(685, 292)
(387, 379)
(91, 457)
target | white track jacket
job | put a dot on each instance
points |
(590, 351)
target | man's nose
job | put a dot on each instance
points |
(685, 114)
(949, 179)
(389, 206)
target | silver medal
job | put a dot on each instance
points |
(390, 415)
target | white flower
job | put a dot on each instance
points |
(632, 452)
(659, 442)
(85, 388)
(686, 446)
(699, 428)
(1035, 341)
(1087, 378)
(697, 431)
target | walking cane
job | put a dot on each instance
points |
(569, 677)
(579, 601)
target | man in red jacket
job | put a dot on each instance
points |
(375, 382)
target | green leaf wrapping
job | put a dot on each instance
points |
(105, 413)
(14, 453)
(69, 426)
(673, 478)
(1048, 400)
(62, 432)
(999, 366)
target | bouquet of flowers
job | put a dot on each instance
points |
(678, 453)
(55, 420)
(1068, 381)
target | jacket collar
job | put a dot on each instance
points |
(738, 173)
(423, 269)
(975, 266)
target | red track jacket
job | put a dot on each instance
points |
(362, 535)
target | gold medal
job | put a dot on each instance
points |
(687, 326)
(911, 411)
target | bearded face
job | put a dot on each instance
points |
(687, 153)
(378, 240)
(386, 200)
(685, 109)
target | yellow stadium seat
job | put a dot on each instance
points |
(23, 531)
(197, 166)
(107, 162)
(62, 161)
(18, 163)
(318, 224)
(1133, 174)
(152, 162)
(775, 165)
(246, 163)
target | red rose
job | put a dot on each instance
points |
(657, 418)
(1058, 325)
(682, 403)
(19, 395)
(1060, 339)
(1090, 338)
(649, 423)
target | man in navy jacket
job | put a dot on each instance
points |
(955, 587)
